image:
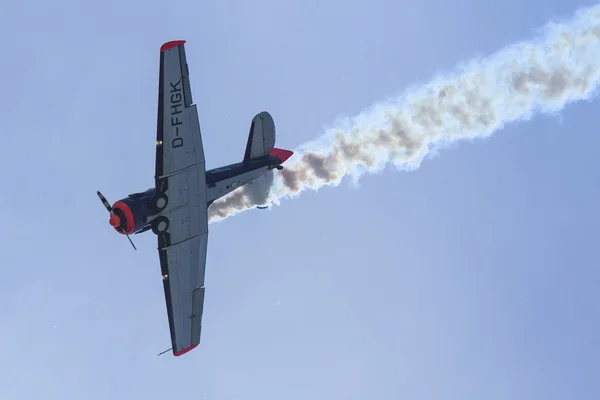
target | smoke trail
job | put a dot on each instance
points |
(543, 75)
(258, 190)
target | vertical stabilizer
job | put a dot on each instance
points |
(261, 138)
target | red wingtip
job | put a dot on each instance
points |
(171, 44)
(182, 352)
(283, 155)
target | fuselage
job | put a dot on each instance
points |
(223, 180)
(136, 211)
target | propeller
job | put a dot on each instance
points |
(114, 220)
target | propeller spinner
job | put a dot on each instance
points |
(114, 220)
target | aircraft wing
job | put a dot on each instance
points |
(180, 174)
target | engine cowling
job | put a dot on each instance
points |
(133, 213)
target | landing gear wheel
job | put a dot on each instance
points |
(160, 225)
(159, 202)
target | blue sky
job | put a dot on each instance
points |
(470, 278)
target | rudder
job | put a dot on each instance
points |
(261, 138)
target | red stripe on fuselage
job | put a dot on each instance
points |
(128, 216)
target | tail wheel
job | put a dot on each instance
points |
(159, 202)
(160, 225)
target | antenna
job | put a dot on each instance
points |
(160, 354)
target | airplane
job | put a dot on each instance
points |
(176, 208)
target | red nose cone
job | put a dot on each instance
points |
(114, 221)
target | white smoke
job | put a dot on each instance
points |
(259, 189)
(541, 75)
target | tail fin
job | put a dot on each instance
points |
(261, 138)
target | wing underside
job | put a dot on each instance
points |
(180, 175)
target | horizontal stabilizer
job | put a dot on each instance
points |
(282, 154)
(261, 138)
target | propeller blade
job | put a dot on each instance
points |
(130, 241)
(110, 210)
(106, 203)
